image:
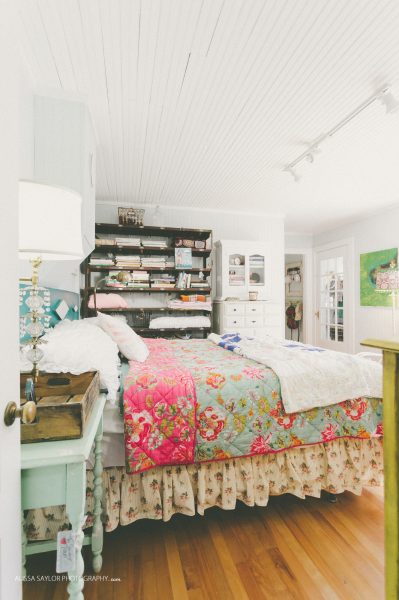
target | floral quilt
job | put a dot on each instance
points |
(192, 401)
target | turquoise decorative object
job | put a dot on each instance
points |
(57, 305)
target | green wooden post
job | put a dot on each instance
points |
(98, 531)
(391, 461)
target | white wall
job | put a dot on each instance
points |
(376, 232)
(225, 225)
(298, 240)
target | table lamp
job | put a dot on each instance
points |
(49, 229)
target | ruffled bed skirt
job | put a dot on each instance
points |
(336, 466)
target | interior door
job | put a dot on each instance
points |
(10, 500)
(334, 297)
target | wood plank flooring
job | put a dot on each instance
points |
(291, 550)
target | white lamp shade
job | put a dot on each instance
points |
(49, 222)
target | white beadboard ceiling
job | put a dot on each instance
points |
(200, 103)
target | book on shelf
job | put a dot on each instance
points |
(102, 263)
(154, 243)
(163, 281)
(183, 258)
(184, 280)
(125, 241)
(127, 261)
(99, 260)
(153, 262)
(104, 242)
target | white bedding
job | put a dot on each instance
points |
(310, 377)
(76, 347)
(176, 322)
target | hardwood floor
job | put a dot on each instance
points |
(291, 550)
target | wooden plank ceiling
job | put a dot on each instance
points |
(202, 102)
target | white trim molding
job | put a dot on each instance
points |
(307, 272)
(349, 283)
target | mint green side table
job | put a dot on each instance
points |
(54, 473)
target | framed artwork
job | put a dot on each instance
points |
(371, 264)
(183, 258)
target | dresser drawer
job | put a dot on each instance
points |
(254, 308)
(233, 323)
(235, 308)
(254, 321)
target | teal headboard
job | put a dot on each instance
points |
(59, 305)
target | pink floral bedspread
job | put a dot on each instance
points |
(159, 410)
(192, 401)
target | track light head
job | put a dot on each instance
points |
(389, 101)
(292, 172)
(310, 157)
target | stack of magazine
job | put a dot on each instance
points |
(163, 281)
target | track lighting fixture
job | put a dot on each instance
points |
(292, 172)
(384, 95)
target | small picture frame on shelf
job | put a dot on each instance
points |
(131, 216)
(183, 258)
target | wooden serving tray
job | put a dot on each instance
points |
(63, 407)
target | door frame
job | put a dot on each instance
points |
(349, 283)
(307, 273)
(10, 472)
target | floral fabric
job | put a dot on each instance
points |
(238, 408)
(337, 466)
(159, 411)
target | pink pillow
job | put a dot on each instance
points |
(108, 301)
(129, 343)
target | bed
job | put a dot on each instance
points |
(205, 426)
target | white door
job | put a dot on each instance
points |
(10, 500)
(334, 297)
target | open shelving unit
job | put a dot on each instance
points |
(143, 306)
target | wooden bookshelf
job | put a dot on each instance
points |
(140, 312)
(167, 251)
(152, 290)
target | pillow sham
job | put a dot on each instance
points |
(129, 343)
(76, 347)
(108, 301)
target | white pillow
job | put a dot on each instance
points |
(76, 347)
(129, 343)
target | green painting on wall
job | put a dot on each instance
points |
(370, 264)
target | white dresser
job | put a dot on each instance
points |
(243, 268)
(256, 318)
